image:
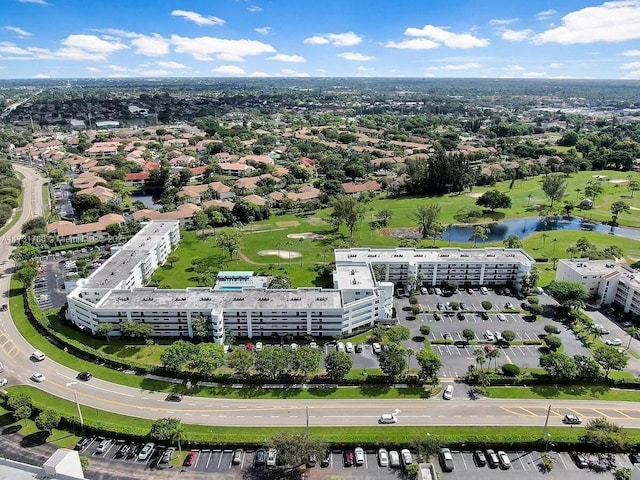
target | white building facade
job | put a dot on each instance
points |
(241, 303)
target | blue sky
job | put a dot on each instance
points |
(320, 38)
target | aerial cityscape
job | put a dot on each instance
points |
(320, 240)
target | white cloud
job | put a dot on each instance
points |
(281, 57)
(153, 73)
(259, 75)
(87, 47)
(534, 74)
(444, 36)
(635, 75)
(171, 65)
(556, 65)
(288, 72)
(356, 57)
(39, 2)
(546, 14)
(514, 68)
(206, 48)
(198, 19)
(263, 30)
(631, 53)
(458, 66)
(229, 70)
(347, 39)
(254, 9)
(516, 35)
(116, 32)
(17, 30)
(93, 69)
(362, 68)
(614, 21)
(413, 44)
(118, 68)
(630, 66)
(151, 46)
(503, 21)
(41, 75)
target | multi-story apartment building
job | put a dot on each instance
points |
(241, 302)
(611, 282)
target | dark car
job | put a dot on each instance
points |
(492, 458)
(85, 376)
(579, 459)
(312, 461)
(460, 316)
(190, 459)
(484, 315)
(348, 458)
(3, 308)
(174, 397)
(82, 443)
(123, 450)
(134, 450)
(436, 317)
(479, 459)
(359, 347)
(261, 457)
(324, 463)
(634, 458)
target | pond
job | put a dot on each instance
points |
(523, 227)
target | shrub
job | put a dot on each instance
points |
(487, 305)
(425, 330)
(533, 300)
(510, 370)
(553, 342)
(416, 309)
(532, 342)
(455, 305)
(551, 329)
(413, 300)
(535, 309)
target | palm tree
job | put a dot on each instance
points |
(633, 332)
(494, 355)
(178, 435)
(410, 353)
(480, 357)
(544, 239)
(479, 233)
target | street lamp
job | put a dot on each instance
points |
(547, 444)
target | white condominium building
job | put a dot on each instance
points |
(610, 282)
(240, 301)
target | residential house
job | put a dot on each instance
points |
(104, 194)
(68, 231)
(198, 193)
(352, 188)
(184, 214)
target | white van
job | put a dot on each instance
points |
(38, 356)
(394, 459)
(388, 418)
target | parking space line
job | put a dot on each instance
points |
(524, 467)
(622, 413)
(464, 461)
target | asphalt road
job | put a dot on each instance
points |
(61, 381)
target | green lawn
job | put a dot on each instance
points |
(570, 392)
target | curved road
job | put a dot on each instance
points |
(60, 381)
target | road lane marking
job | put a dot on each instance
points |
(622, 413)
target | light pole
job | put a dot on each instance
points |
(546, 448)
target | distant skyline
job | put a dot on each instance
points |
(320, 38)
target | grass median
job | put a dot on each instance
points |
(569, 392)
(115, 424)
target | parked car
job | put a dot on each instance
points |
(460, 316)
(503, 458)
(484, 291)
(348, 347)
(383, 457)
(448, 392)
(326, 460)
(258, 347)
(446, 460)
(4, 307)
(261, 457)
(122, 449)
(272, 455)
(572, 420)
(502, 317)
(464, 306)
(498, 336)
(237, 456)
(436, 317)
(492, 458)
(407, 458)
(103, 446)
(423, 290)
(168, 454)
(394, 459)
(83, 443)
(613, 342)
(134, 450)
(376, 347)
(348, 458)
(488, 348)
(440, 306)
(3, 382)
(489, 336)
(388, 418)
(340, 347)
(484, 315)
(85, 376)
(359, 347)
(579, 459)
(438, 291)
(470, 291)
(190, 459)
(312, 461)
(479, 459)
(634, 458)
(146, 451)
(359, 456)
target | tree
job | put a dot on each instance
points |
(426, 446)
(22, 413)
(509, 336)
(240, 360)
(593, 190)
(558, 366)
(633, 332)
(392, 362)
(604, 435)
(337, 364)
(178, 355)
(294, 449)
(207, 358)
(82, 203)
(17, 400)
(425, 330)
(347, 210)
(384, 216)
(430, 364)
(412, 471)
(273, 362)
(104, 329)
(164, 429)
(280, 282)
(633, 186)
(609, 358)
(306, 360)
(570, 295)
(494, 355)
(616, 209)
(468, 334)
(622, 473)
(200, 220)
(135, 329)
(493, 199)
(24, 253)
(479, 233)
(553, 342)
(587, 367)
(398, 333)
(47, 420)
(26, 275)
(428, 217)
(554, 187)
(480, 357)
(200, 327)
(512, 241)
(229, 240)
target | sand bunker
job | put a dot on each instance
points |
(306, 236)
(281, 253)
(292, 223)
(619, 180)
(474, 194)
